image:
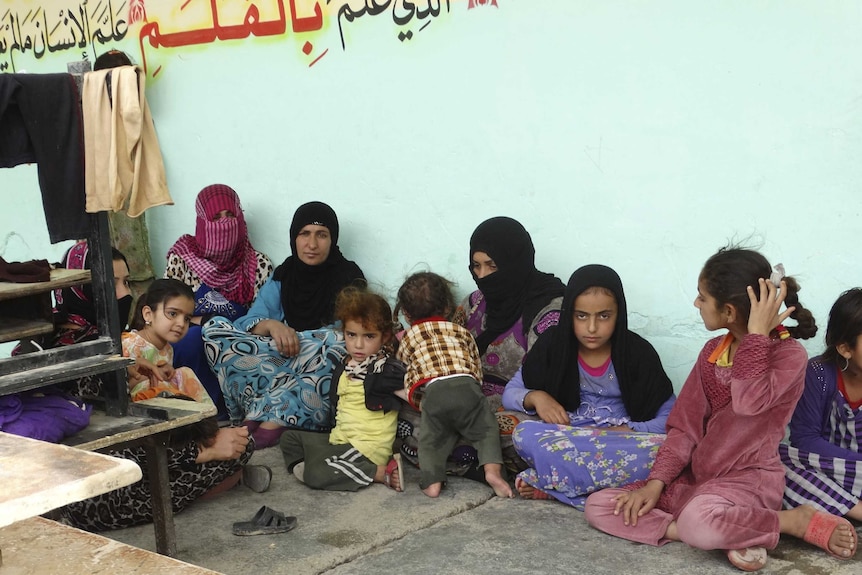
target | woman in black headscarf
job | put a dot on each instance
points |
(275, 363)
(600, 391)
(515, 302)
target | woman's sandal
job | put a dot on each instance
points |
(537, 493)
(265, 522)
(820, 529)
(748, 559)
(394, 466)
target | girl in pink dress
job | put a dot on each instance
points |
(718, 481)
(162, 318)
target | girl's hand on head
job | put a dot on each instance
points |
(639, 502)
(765, 316)
(546, 407)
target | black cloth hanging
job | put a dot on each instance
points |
(40, 121)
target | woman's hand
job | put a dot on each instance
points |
(229, 444)
(546, 407)
(283, 336)
(637, 503)
(764, 316)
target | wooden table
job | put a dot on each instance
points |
(38, 476)
(148, 424)
(38, 545)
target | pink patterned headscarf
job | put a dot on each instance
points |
(220, 252)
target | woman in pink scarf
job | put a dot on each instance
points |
(222, 268)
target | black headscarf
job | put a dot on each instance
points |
(517, 289)
(552, 363)
(308, 292)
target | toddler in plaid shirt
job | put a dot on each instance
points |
(442, 382)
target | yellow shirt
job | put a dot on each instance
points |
(371, 432)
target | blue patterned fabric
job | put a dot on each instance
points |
(568, 463)
(260, 384)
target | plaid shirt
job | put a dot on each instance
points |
(435, 348)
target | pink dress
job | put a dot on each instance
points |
(720, 465)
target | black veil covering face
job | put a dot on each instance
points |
(517, 290)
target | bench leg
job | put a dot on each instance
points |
(163, 513)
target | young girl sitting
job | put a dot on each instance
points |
(444, 372)
(717, 480)
(823, 463)
(161, 318)
(600, 391)
(358, 450)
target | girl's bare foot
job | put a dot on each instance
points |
(433, 490)
(841, 541)
(494, 477)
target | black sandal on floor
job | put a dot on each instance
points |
(265, 522)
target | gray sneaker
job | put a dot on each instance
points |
(298, 471)
(256, 477)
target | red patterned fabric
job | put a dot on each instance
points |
(220, 252)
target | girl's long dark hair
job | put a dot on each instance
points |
(729, 272)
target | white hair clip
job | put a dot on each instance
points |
(777, 275)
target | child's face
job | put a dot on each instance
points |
(170, 320)
(361, 341)
(708, 307)
(594, 320)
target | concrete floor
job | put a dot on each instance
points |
(465, 531)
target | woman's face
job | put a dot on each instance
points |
(483, 265)
(313, 244)
(223, 214)
(121, 279)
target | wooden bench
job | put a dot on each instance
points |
(38, 476)
(149, 424)
(38, 545)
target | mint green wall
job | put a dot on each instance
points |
(642, 135)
